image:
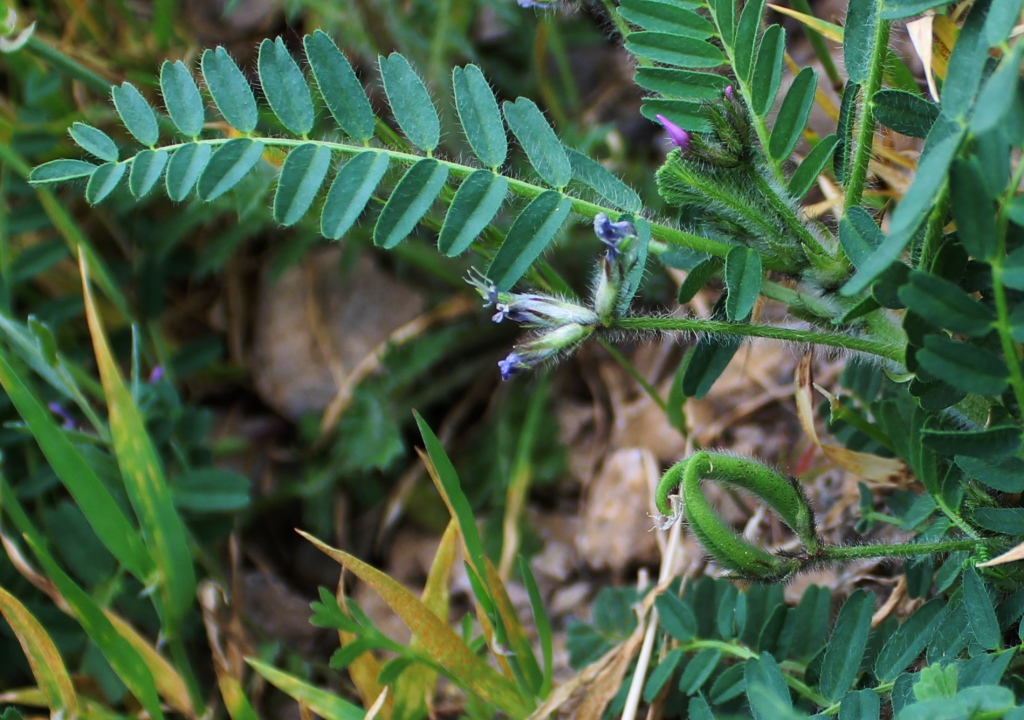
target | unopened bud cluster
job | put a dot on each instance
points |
(562, 324)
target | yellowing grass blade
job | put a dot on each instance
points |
(169, 682)
(829, 31)
(43, 657)
(439, 640)
(327, 705)
(144, 480)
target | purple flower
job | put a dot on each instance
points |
(545, 346)
(511, 365)
(157, 375)
(728, 93)
(530, 308)
(57, 409)
(534, 3)
(612, 233)
(679, 137)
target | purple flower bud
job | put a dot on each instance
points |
(543, 347)
(679, 137)
(488, 290)
(511, 365)
(728, 93)
(612, 233)
(57, 409)
(157, 375)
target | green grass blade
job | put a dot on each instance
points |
(325, 704)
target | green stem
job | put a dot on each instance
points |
(184, 667)
(622, 26)
(999, 292)
(813, 337)
(864, 139)
(524, 189)
(858, 552)
(66, 65)
(785, 212)
(631, 369)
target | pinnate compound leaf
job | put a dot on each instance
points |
(94, 141)
(1004, 475)
(231, 162)
(58, 171)
(480, 116)
(302, 175)
(982, 614)
(136, 114)
(667, 17)
(410, 102)
(812, 166)
(184, 168)
(475, 204)
(595, 176)
(768, 69)
(339, 87)
(944, 304)
(538, 139)
(792, 117)
(905, 112)
(968, 367)
(181, 98)
(746, 37)
(675, 617)
(144, 481)
(285, 87)
(325, 704)
(910, 638)
(673, 50)
(43, 657)
(104, 181)
(742, 282)
(530, 234)
(147, 169)
(351, 190)
(230, 90)
(846, 646)
(409, 201)
(442, 644)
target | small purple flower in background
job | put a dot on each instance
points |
(612, 233)
(157, 375)
(728, 93)
(542, 4)
(679, 137)
(57, 409)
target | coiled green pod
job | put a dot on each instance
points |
(783, 495)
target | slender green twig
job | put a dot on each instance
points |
(864, 139)
(846, 342)
(631, 369)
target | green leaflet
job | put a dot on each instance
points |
(184, 168)
(230, 90)
(687, 115)
(844, 130)
(662, 674)
(792, 118)
(103, 182)
(181, 98)
(675, 617)
(995, 442)
(475, 204)
(859, 235)
(480, 116)
(746, 37)
(974, 211)
(540, 142)
(768, 69)
(899, 9)
(285, 87)
(860, 705)
(1008, 521)
(742, 282)
(231, 162)
(351, 190)
(679, 83)
(905, 112)
(698, 277)
(767, 689)
(944, 304)
(147, 169)
(967, 61)
(904, 645)
(666, 17)
(810, 169)
(302, 175)
(340, 88)
(859, 39)
(409, 202)
(982, 615)
(846, 646)
(1004, 475)
(136, 114)
(968, 367)
(673, 50)
(706, 362)
(410, 102)
(58, 171)
(530, 234)
(210, 490)
(725, 18)
(698, 670)
(595, 176)
(94, 141)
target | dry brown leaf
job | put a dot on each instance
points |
(1011, 555)
(920, 32)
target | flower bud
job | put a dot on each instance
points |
(545, 346)
(679, 137)
(606, 292)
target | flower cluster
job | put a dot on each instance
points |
(563, 324)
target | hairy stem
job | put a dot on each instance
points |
(813, 337)
(857, 552)
(864, 138)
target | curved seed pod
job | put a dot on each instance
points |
(781, 494)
